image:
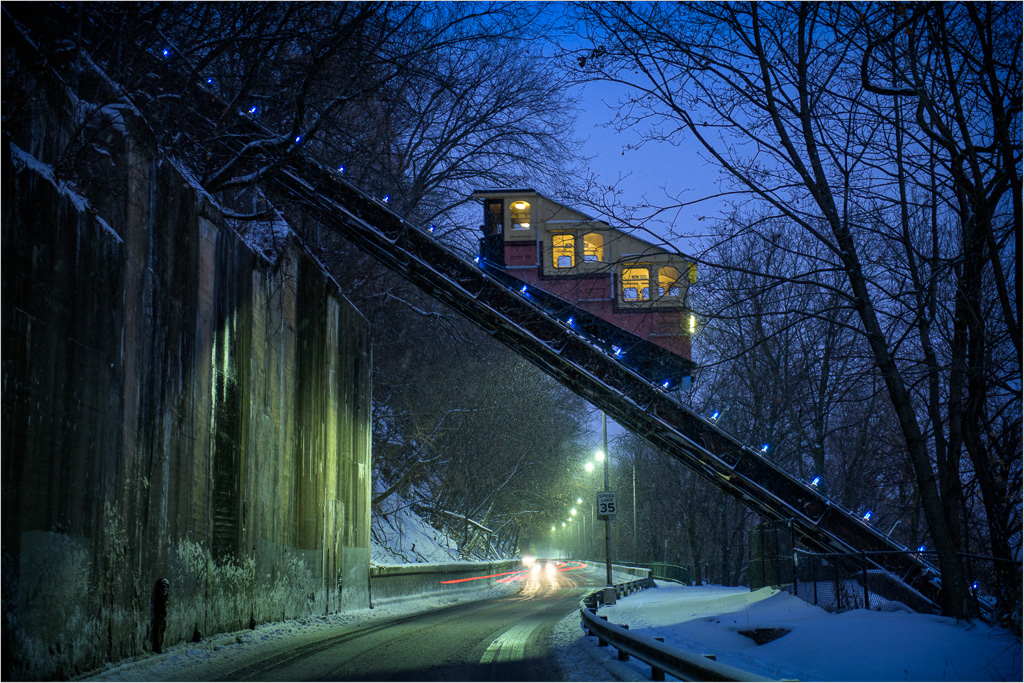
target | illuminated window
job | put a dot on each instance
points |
(636, 284)
(520, 212)
(668, 281)
(563, 251)
(593, 247)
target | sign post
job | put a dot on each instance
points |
(609, 591)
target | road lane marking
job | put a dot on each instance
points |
(510, 646)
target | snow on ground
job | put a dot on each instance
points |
(218, 657)
(400, 536)
(820, 646)
(860, 645)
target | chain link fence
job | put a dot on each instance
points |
(667, 570)
(842, 582)
(839, 582)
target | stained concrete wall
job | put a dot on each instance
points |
(186, 433)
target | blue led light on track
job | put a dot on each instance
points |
(570, 321)
(867, 516)
(387, 198)
(341, 169)
(522, 290)
(254, 109)
(922, 549)
(298, 139)
(715, 415)
(764, 448)
(166, 52)
(815, 481)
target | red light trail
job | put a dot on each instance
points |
(520, 574)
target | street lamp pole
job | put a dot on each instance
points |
(634, 509)
(584, 552)
(607, 521)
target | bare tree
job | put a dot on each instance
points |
(777, 98)
(958, 67)
(780, 358)
(681, 519)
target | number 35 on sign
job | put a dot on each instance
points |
(606, 507)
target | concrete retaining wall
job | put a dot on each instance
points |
(396, 582)
(186, 433)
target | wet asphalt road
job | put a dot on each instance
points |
(501, 639)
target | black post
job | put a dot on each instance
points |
(792, 550)
(838, 594)
(764, 569)
(814, 579)
(864, 562)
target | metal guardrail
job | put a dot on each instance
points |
(663, 659)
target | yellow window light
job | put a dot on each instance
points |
(636, 283)
(520, 215)
(668, 281)
(593, 247)
(563, 251)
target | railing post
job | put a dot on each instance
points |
(656, 673)
(839, 607)
(864, 564)
(814, 578)
(763, 578)
(601, 642)
(792, 552)
(623, 655)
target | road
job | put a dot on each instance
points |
(500, 639)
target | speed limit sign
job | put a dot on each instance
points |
(606, 507)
